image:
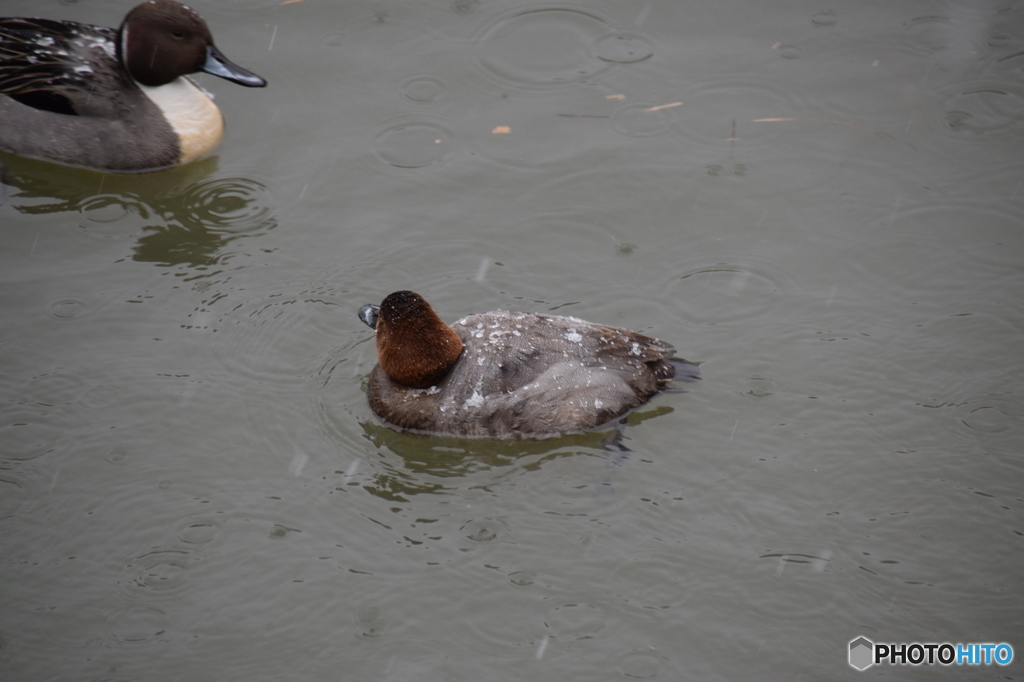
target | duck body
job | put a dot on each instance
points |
(112, 99)
(523, 374)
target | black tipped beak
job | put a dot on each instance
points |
(368, 314)
(219, 65)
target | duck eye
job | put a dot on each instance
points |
(177, 33)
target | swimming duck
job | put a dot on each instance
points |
(113, 100)
(508, 374)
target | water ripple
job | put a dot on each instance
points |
(930, 32)
(52, 388)
(235, 205)
(980, 107)
(484, 531)
(135, 626)
(519, 626)
(576, 620)
(550, 47)
(67, 308)
(113, 216)
(29, 431)
(974, 412)
(651, 579)
(991, 415)
(413, 143)
(424, 89)
(623, 48)
(160, 571)
(199, 531)
(741, 288)
(640, 664)
(713, 110)
(956, 242)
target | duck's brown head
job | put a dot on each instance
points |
(414, 346)
(161, 40)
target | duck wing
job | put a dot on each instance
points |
(57, 66)
(519, 357)
(558, 374)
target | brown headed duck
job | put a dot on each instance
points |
(508, 374)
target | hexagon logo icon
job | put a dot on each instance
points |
(862, 652)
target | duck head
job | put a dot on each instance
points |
(161, 40)
(414, 346)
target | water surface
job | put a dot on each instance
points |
(821, 204)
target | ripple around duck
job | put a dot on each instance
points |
(431, 463)
(340, 401)
(554, 47)
(287, 344)
(275, 341)
(716, 113)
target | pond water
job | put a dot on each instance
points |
(822, 203)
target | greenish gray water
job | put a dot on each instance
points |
(821, 204)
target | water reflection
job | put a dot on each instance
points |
(201, 220)
(177, 217)
(50, 188)
(429, 463)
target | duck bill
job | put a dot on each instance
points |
(219, 65)
(368, 314)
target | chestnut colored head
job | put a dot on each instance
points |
(161, 40)
(414, 346)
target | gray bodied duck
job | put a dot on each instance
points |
(112, 99)
(507, 374)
